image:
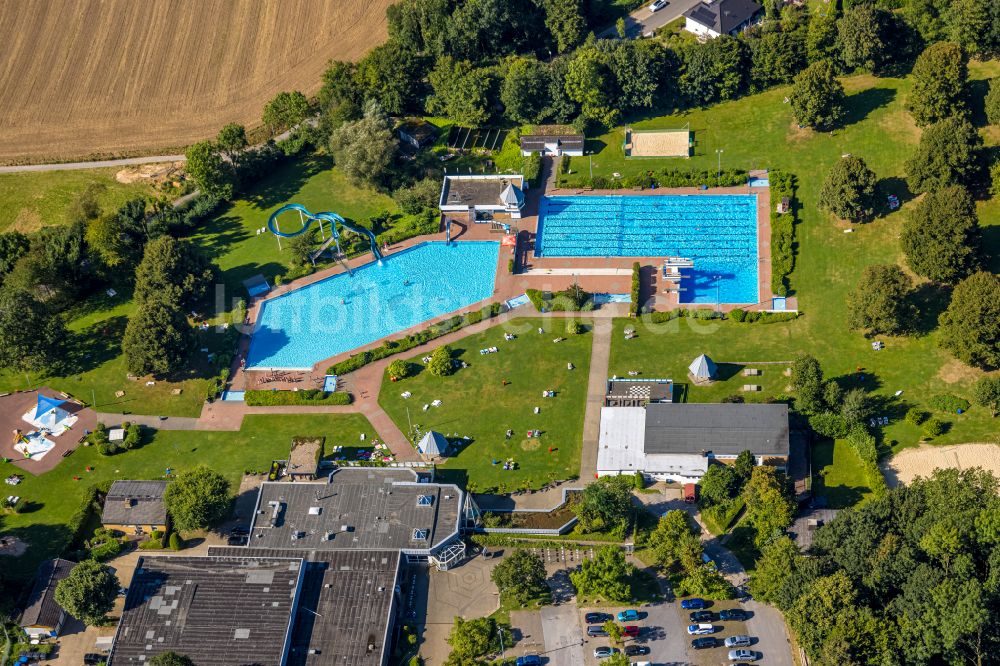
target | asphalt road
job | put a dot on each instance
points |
(564, 643)
(665, 634)
(642, 21)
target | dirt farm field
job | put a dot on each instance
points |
(83, 78)
(908, 464)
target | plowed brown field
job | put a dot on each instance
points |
(114, 77)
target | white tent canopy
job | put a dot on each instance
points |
(434, 444)
(702, 367)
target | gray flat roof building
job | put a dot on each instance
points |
(364, 508)
(135, 503)
(219, 611)
(717, 429)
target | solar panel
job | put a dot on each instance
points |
(425, 500)
(420, 535)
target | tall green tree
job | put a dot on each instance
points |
(210, 172)
(941, 239)
(970, 26)
(821, 37)
(285, 110)
(993, 101)
(470, 639)
(714, 71)
(970, 326)
(566, 23)
(718, 485)
(605, 576)
(462, 92)
(769, 509)
(590, 83)
(524, 91)
(171, 659)
(817, 97)
(232, 140)
(986, 393)
(520, 577)
(774, 579)
(364, 149)
(197, 499)
(13, 246)
(173, 271)
(57, 267)
(606, 504)
(88, 593)
(775, 59)
(158, 338)
(940, 77)
(807, 382)
(392, 75)
(949, 154)
(32, 338)
(672, 537)
(882, 301)
(849, 190)
(863, 38)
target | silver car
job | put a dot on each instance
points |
(738, 641)
(742, 655)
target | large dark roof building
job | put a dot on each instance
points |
(720, 17)
(43, 616)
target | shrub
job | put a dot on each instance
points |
(829, 424)
(634, 304)
(532, 169)
(156, 534)
(573, 327)
(440, 363)
(151, 544)
(738, 315)
(260, 398)
(782, 231)
(564, 164)
(175, 541)
(933, 427)
(915, 416)
(951, 404)
(573, 299)
(399, 369)
(510, 265)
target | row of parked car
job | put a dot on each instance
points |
(702, 627)
(595, 628)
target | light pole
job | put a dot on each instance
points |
(718, 152)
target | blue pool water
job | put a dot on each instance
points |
(718, 232)
(346, 311)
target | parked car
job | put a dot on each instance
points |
(702, 616)
(734, 614)
(94, 658)
(529, 660)
(694, 603)
(636, 650)
(741, 640)
(742, 655)
(604, 651)
(596, 618)
(703, 642)
(700, 629)
(596, 630)
(630, 630)
(657, 5)
(629, 615)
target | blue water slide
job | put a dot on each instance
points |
(309, 217)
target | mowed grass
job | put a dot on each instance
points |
(757, 132)
(55, 496)
(838, 474)
(476, 404)
(32, 200)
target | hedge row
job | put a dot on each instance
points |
(669, 178)
(633, 307)
(755, 317)
(271, 398)
(782, 231)
(560, 301)
(864, 446)
(390, 347)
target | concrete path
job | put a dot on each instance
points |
(600, 356)
(99, 164)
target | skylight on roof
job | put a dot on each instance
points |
(425, 500)
(420, 535)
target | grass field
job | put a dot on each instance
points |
(837, 474)
(475, 403)
(54, 497)
(110, 77)
(32, 200)
(757, 132)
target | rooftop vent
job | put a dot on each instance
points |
(315, 510)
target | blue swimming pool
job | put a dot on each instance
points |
(346, 311)
(717, 231)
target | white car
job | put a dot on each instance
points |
(700, 629)
(657, 5)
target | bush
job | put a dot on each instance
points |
(573, 327)
(951, 404)
(568, 300)
(866, 449)
(532, 169)
(151, 544)
(933, 427)
(916, 416)
(156, 534)
(260, 398)
(829, 424)
(634, 304)
(440, 363)
(175, 541)
(782, 231)
(399, 369)
(510, 265)
(564, 164)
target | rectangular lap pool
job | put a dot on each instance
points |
(717, 231)
(345, 311)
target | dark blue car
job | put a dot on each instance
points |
(693, 604)
(529, 660)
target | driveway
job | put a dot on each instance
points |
(563, 634)
(643, 22)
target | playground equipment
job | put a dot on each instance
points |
(306, 218)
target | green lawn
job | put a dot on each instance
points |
(837, 474)
(54, 497)
(757, 132)
(31, 200)
(475, 403)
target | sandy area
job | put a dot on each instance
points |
(922, 461)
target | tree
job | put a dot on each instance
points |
(197, 499)
(856, 407)
(969, 24)
(970, 326)
(520, 577)
(209, 171)
(775, 571)
(862, 38)
(849, 190)
(948, 154)
(993, 102)
(775, 58)
(605, 576)
(88, 593)
(157, 338)
(419, 197)
(941, 239)
(285, 110)
(589, 82)
(300, 248)
(391, 75)
(821, 37)
(32, 338)
(440, 364)
(817, 97)
(232, 140)
(57, 266)
(882, 301)
(461, 92)
(672, 537)
(940, 76)
(769, 509)
(614, 631)
(87, 204)
(565, 22)
(743, 466)
(524, 91)
(171, 659)
(807, 381)
(172, 271)
(714, 71)
(364, 149)
(13, 245)
(399, 369)
(718, 485)
(986, 393)
(605, 504)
